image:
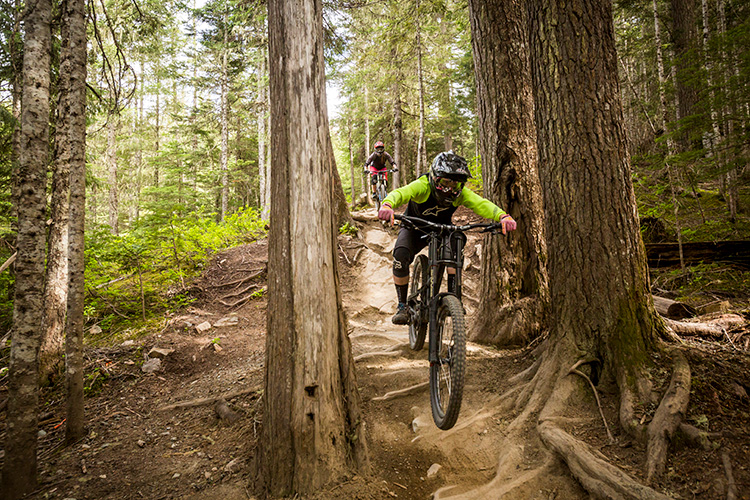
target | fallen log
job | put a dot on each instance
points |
(668, 254)
(672, 309)
(207, 401)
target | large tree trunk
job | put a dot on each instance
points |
(602, 322)
(312, 430)
(76, 17)
(20, 466)
(515, 291)
(56, 280)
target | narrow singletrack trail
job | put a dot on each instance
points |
(415, 457)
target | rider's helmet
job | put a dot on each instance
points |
(448, 175)
(379, 147)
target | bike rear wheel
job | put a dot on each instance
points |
(447, 373)
(417, 297)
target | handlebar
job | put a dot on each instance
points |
(416, 222)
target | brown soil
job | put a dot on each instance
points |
(135, 450)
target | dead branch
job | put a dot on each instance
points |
(598, 477)
(345, 256)
(207, 401)
(240, 301)
(8, 262)
(376, 354)
(694, 329)
(110, 282)
(574, 369)
(224, 412)
(668, 417)
(357, 254)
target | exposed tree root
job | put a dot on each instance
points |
(597, 476)
(696, 437)
(376, 354)
(731, 485)
(668, 417)
(207, 401)
(414, 389)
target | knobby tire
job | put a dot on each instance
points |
(417, 301)
(447, 373)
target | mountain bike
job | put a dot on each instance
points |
(442, 312)
(381, 185)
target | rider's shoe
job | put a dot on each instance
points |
(402, 315)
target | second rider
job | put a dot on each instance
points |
(434, 196)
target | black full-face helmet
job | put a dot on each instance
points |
(448, 175)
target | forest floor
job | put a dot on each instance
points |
(139, 448)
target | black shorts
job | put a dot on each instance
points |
(408, 244)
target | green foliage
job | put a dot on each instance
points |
(160, 258)
(350, 229)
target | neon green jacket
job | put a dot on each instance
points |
(419, 192)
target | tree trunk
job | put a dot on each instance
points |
(15, 45)
(685, 45)
(56, 280)
(224, 125)
(76, 17)
(421, 163)
(351, 159)
(20, 466)
(264, 202)
(114, 205)
(397, 130)
(139, 145)
(515, 293)
(312, 434)
(664, 122)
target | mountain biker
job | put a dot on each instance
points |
(377, 162)
(434, 196)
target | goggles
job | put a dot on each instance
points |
(380, 149)
(448, 186)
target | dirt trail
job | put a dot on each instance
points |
(136, 449)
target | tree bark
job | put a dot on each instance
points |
(684, 41)
(398, 127)
(75, 16)
(224, 124)
(20, 466)
(515, 295)
(312, 430)
(261, 113)
(56, 280)
(114, 205)
(421, 163)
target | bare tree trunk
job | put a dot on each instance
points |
(56, 280)
(139, 147)
(20, 466)
(421, 146)
(684, 43)
(397, 130)
(157, 145)
(75, 424)
(351, 159)
(731, 192)
(16, 59)
(114, 205)
(312, 434)
(224, 125)
(515, 293)
(264, 202)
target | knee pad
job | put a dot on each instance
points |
(402, 257)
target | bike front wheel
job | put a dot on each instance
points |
(381, 194)
(417, 297)
(447, 373)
